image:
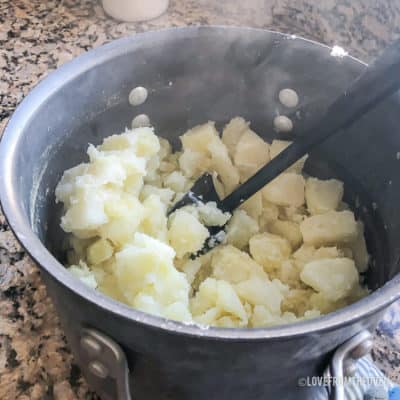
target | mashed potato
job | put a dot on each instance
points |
(289, 253)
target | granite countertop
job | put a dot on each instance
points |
(37, 36)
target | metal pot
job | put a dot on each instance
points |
(193, 75)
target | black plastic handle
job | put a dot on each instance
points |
(379, 80)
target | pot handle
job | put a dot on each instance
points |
(105, 364)
(343, 362)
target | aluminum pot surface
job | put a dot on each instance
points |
(193, 75)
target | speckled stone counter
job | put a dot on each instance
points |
(37, 36)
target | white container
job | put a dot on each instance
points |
(135, 10)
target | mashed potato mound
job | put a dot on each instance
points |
(289, 253)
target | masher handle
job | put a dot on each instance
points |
(379, 80)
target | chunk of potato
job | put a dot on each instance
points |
(133, 184)
(86, 211)
(253, 206)
(186, 234)
(333, 277)
(257, 291)
(176, 181)
(211, 215)
(191, 268)
(83, 273)
(219, 187)
(145, 268)
(205, 298)
(154, 220)
(285, 190)
(309, 253)
(222, 164)
(251, 154)
(165, 149)
(359, 249)
(240, 229)
(200, 137)
(229, 302)
(232, 265)
(269, 250)
(220, 296)
(145, 142)
(193, 163)
(289, 230)
(331, 228)
(99, 251)
(323, 196)
(107, 169)
(270, 213)
(125, 215)
(165, 194)
(205, 139)
(262, 316)
(232, 134)
(67, 185)
(297, 301)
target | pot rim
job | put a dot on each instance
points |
(19, 222)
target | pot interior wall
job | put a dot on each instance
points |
(215, 74)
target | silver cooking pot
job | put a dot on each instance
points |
(193, 75)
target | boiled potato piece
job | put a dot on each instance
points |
(269, 213)
(146, 268)
(269, 250)
(257, 291)
(67, 185)
(253, 206)
(240, 229)
(333, 277)
(308, 253)
(86, 211)
(251, 154)
(285, 190)
(200, 137)
(289, 230)
(359, 249)
(191, 268)
(205, 139)
(232, 134)
(333, 227)
(176, 181)
(154, 220)
(83, 273)
(164, 194)
(323, 196)
(219, 296)
(232, 265)
(99, 251)
(186, 234)
(297, 301)
(211, 215)
(262, 316)
(193, 163)
(222, 164)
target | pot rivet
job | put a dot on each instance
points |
(288, 98)
(349, 367)
(90, 345)
(98, 369)
(362, 349)
(138, 96)
(140, 121)
(283, 123)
